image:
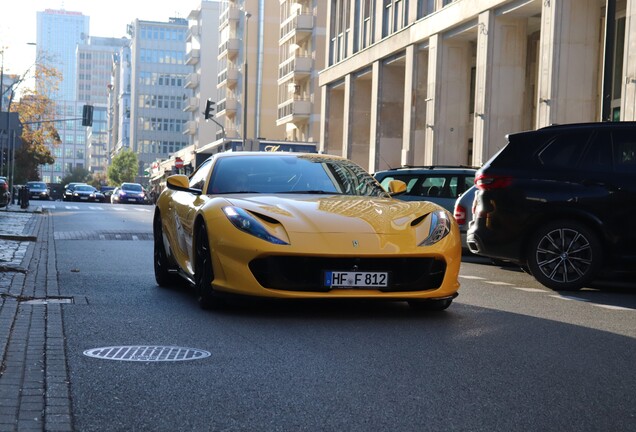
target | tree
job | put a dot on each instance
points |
(77, 175)
(37, 137)
(98, 180)
(123, 168)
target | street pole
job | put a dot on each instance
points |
(247, 17)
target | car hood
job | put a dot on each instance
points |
(336, 213)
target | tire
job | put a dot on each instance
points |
(203, 273)
(564, 255)
(430, 305)
(163, 276)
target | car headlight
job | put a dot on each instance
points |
(440, 227)
(248, 223)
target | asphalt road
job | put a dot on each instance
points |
(507, 355)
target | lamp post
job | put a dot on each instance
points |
(247, 17)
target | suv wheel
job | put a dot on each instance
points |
(564, 255)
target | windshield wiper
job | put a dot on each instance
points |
(310, 192)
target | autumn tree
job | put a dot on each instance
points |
(77, 175)
(39, 134)
(124, 167)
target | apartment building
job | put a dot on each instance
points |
(202, 39)
(301, 56)
(443, 82)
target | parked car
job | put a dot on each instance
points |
(463, 212)
(5, 195)
(439, 184)
(107, 191)
(128, 193)
(38, 190)
(68, 190)
(294, 225)
(559, 202)
(84, 192)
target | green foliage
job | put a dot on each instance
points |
(123, 168)
(98, 180)
(77, 175)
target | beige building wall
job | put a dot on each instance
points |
(202, 41)
(443, 82)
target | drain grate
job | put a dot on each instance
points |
(147, 353)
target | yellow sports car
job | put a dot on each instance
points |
(296, 225)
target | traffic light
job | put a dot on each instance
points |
(87, 115)
(209, 109)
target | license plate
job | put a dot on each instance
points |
(84, 198)
(132, 199)
(356, 279)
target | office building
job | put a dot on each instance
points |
(158, 93)
(443, 82)
(58, 34)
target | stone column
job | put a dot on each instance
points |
(449, 76)
(374, 136)
(500, 83)
(628, 102)
(568, 62)
(409, 107)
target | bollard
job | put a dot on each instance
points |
(24, 197)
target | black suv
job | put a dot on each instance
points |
(560, 201)
(439, 184)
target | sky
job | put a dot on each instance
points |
(108, 18)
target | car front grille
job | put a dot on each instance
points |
(307, 273)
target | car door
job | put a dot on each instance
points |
(185, 206)
(624, 177)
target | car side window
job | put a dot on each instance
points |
(564, 150)
(624, 152)
(598, 157)
(198, 178)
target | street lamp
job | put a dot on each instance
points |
(247, 17)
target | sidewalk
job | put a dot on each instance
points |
(34, 384)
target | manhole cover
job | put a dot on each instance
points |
(147, 353)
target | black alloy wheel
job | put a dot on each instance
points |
(564, 255)
(163, 276)
(203, 275)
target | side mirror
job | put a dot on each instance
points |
(180, 182)
(396, 187)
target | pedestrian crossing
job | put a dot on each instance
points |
(97, 208)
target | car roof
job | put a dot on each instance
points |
(440, 169)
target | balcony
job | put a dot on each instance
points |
(229, 48)
(298, 26)
(192, 31)
(192, 80)
(299, 67)
(227, 107)
(231, 14)
(192, 57)
(192, 104)
(297, 109)
(190, 128)
(227, 77)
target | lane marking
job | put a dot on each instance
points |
(530, 289)
(119, 209)
(498, 283)
(471, 277)
(620, 308)
(142, 210)
(96, 208)
(72, 208)
(568, 298)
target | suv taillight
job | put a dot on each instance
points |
(460, 214)
(487, 182)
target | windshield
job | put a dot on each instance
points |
(131, 187)
(83, 188)
(36, 185)
(290, 173)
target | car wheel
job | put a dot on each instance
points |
(163, 276)
(430, 305)
(564, 255)
(203, 275)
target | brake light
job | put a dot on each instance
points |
(460, 214)
(487, 182)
